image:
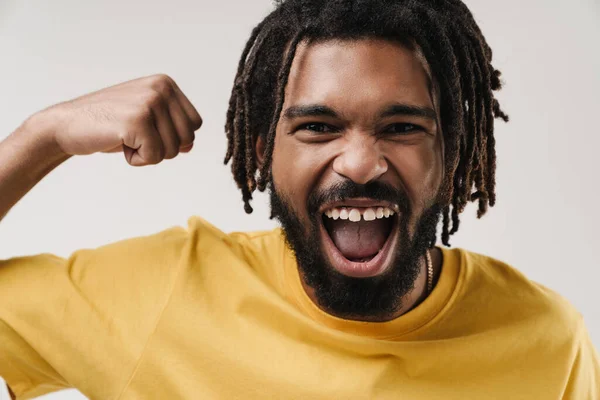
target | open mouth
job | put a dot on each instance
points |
(359, 236)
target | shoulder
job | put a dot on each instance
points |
(204, 232)
(508, 293)
(261, 248)
(167, 242)
(257, 240)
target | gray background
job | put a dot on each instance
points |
(547, 217)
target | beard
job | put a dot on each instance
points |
(372, 298)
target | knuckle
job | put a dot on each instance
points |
(173, 148)
(163, 84)
(156, 155)
(154, 99)
(172, 154)
(163, 77)
(158, 77)
(188, 139)
(186, 142)
(188, 126)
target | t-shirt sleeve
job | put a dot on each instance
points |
(83, 321)
(584, 380)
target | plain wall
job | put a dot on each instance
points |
(547, 216)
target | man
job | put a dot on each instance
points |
(368, 121)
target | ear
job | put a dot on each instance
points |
(260, 150)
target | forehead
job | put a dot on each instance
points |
(361, 73)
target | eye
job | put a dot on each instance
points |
(403, 129)
(317, 127)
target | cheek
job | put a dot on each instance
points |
(420, 168)
(433, 167)
(295, 168)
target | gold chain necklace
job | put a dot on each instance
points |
(429, 271)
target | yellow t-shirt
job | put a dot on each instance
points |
(199, 314)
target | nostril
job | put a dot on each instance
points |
(360, 170)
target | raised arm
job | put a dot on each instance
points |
(148, 119)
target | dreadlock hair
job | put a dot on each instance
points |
(456, 53)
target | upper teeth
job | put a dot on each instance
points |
(356, 214)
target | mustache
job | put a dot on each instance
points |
(377, 191)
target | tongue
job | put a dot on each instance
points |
(358, 240)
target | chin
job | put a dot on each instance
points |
(355, 251)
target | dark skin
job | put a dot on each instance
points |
(361, 110)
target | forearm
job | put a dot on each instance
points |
(26, 157)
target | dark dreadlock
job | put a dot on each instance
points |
(454, 48)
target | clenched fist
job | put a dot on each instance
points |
(149, 119)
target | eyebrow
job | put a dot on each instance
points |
(319, 110)
(311, 110)
(409, 110)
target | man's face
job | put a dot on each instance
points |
(357, 164)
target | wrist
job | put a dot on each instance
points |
(37, 135)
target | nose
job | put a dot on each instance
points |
(361, 160)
